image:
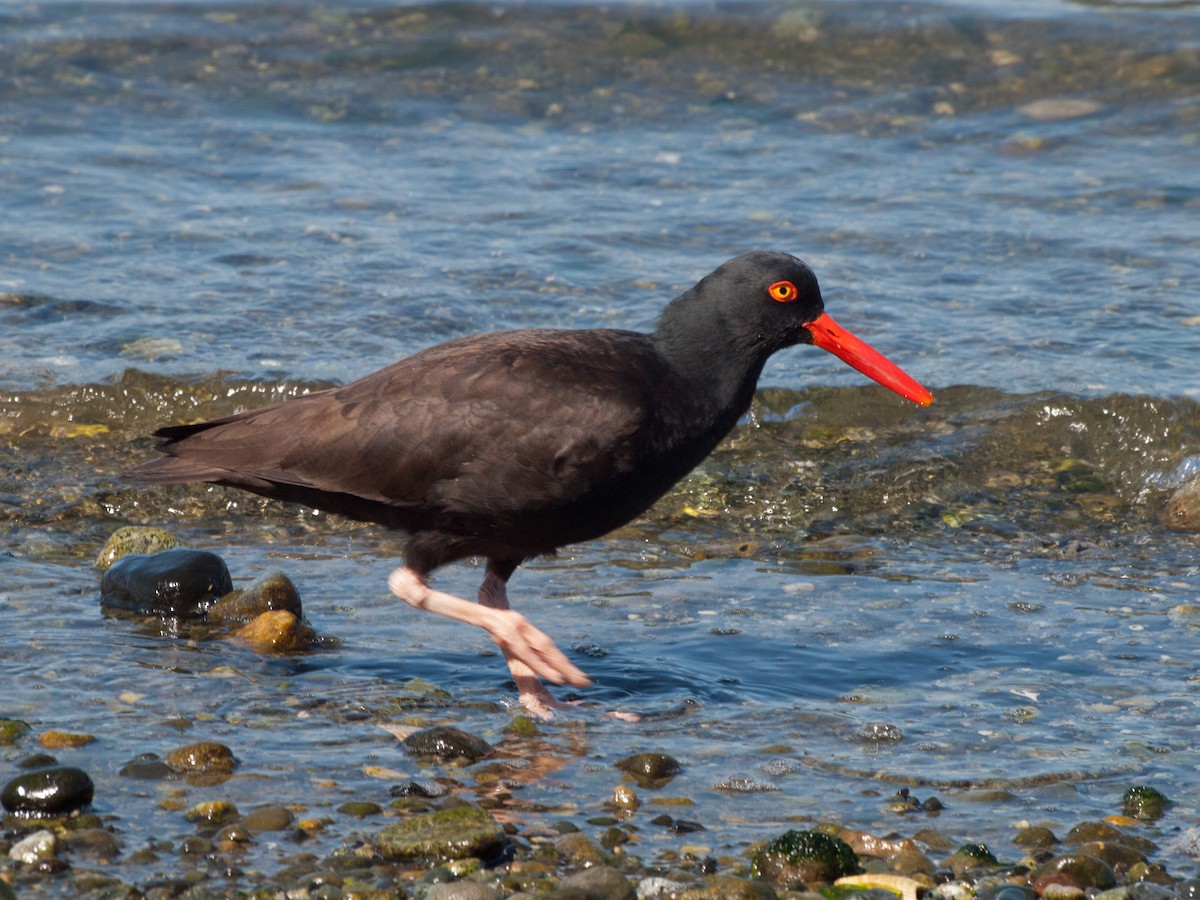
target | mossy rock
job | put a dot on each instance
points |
(133, 539)
(803, 857)
(11, 731)
(460, 832)
(1143, 802)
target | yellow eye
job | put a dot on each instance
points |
(783, 291)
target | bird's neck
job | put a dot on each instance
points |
(718, 363)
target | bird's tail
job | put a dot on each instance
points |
(172, 470)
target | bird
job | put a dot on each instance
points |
(510, 445)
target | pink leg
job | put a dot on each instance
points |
(534, 697)
(519, 640)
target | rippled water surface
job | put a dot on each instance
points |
(209, 206)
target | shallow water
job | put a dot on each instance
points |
(209, 207)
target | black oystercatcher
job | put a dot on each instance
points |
(513, 444)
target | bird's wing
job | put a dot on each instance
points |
(479, 425)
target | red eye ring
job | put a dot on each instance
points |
(783, 291)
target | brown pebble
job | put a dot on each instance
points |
(278, 631)
(202, 756)
(1183, 508)
(64, 740)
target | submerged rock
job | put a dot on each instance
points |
(650, 769)
(42, 793)
(178, 583)
(12, 730)
(460, 832)
(202, 757)
(447, 743)
(1143, 802)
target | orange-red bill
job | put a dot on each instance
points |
(829, 335)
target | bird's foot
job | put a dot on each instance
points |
(522, 642)
(536, 700)
(515, 635)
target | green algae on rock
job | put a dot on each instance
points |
(460, 832)
(801, 857)
(1144, 802)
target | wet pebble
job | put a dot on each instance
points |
(95, 843)
(11, 731)
(276, 632)
(360, 808)
(455, 833)
(969, 857)
(461, 890)
(1035, 837)
(580, 850)
(134, 539)
(179, 583)
(598, 883)
(54, 791)
(1182, 510)
(800, 857)
(1119, 857)
(147, 767)
(1074, 870)
(624, 798)
(268, 818)
(447, 743)
(64, 740)
(650, 769)
(1143, 802)
(1086, 832)
(204, 763)
(270, 593)
(212, 812)
(36, 848)
(202, 756)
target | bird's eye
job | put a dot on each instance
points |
(783, 291)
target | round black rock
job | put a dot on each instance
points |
(46, 793)
(447, 743)
(179, 583)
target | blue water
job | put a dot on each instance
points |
(206, 205)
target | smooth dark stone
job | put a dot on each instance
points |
(1074, 870)
(57, 791)
(601, 882)
(178, 583)
(147, 767)
(94, 842)
(445, 742)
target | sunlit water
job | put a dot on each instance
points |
(239, 200)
